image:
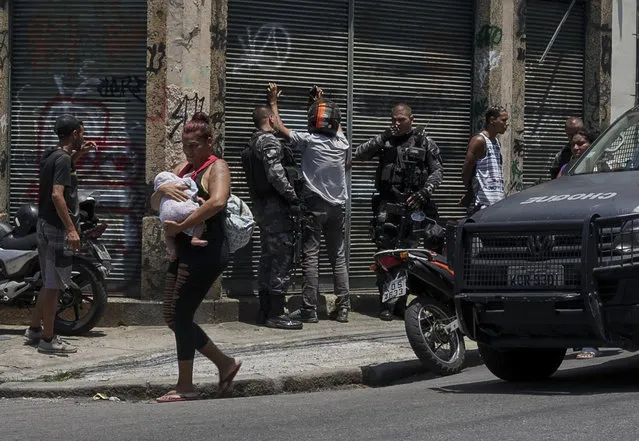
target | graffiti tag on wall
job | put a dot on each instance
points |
(184, 110)
(4, 48)
(122, 87)
(266, 48)
(489, 36)
(156, 53)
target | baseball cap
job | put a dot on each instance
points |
(66, 124)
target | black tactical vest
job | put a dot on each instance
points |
(253, 166)
(403, 167)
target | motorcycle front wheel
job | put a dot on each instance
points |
(82, 305)
(441, 351)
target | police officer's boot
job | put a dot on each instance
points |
(400, 307)
(277, 318)
(385, 309)
(265, 303)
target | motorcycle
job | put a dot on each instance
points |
(430, 320)
(82, 304)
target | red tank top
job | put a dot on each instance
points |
(188, 167)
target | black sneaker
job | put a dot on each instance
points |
(341, 315)
(386, 315)
(283, 322)
(304, 315)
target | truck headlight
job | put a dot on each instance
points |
(627, 240)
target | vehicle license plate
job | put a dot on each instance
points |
(525, 276)
(101, 251)
(395, 288)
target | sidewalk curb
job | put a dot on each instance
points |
(122, 311)
(378, 375)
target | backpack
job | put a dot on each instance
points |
(239, 223)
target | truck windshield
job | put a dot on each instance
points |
(617, 149)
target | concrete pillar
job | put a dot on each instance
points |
(513, 88)
(178, 85)
(624, 56)
(499, 77)
(219, 14)
(598, 64)
(5, 107)
(153, 254)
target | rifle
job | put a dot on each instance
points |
(298, 228)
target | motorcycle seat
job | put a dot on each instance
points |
(11, 242)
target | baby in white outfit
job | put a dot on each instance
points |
(176, 211)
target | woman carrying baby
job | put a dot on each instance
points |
(191, 274)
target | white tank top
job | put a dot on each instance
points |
(489, 176)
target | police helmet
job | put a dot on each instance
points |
(26, 219)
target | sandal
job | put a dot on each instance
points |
(173, 396)
(587, 353)
(226, 383)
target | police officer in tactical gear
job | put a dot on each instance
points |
(270, 171)
(409, 171)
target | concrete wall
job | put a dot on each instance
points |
(624, 56)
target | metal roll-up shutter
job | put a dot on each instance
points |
(88, 58)
(554, 89)
(292, 43)
(424, 57)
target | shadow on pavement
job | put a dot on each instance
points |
(92, 334)
(408, 371)
(20, 331)
(12, 331)
(614, 376)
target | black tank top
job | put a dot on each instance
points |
(214, 226)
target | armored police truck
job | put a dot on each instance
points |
(556, 266)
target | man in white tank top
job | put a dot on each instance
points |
(482, 172)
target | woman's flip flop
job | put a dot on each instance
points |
(171, 397)
(587, 354)
(226, 383)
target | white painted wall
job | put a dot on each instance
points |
(624, 56)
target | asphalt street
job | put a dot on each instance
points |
(595, 399)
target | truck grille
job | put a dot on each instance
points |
(618, 242)
(522, 261)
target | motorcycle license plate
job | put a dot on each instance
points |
(395, 288)
(101, 251)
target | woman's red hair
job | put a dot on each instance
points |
(201, 124)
